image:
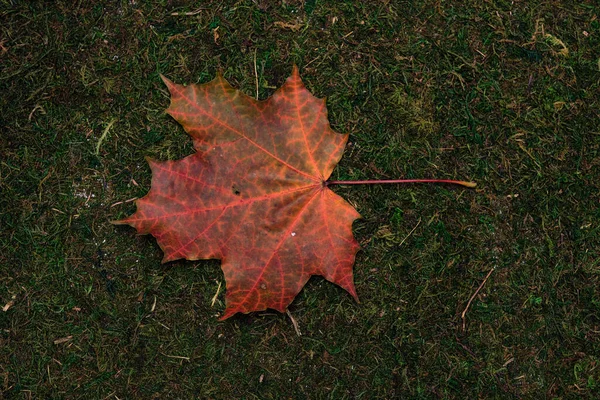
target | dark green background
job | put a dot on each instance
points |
(505, 93)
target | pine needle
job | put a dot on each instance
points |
(104, 134)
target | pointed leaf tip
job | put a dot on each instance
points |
(295, 76)
(169, 83)
(151, 162)
(224, 317)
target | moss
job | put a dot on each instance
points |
(476, 91)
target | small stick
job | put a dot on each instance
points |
(464, 313)
(8, 305)
(212, 304)
(410, 233)
(153, 305)
(289, 314)
(256, 74)
(177, 357)
(63, 340)
(190, 13)
(121, 202)
(110, 124)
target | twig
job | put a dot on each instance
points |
(177, 357)
(37, 107)
(124, 201)
(42, 182)
(190, 13)
(63, 340)
(464, 313)
(256, 74)
(212, 304)
(153, 305)
(289, 314)
(410, 233)
(110, 395)
(8, 305)
(468, 350)
(104, 134)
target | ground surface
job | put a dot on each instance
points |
(503, 93)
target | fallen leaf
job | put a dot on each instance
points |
(254, 195)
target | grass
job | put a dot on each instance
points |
(503, 93)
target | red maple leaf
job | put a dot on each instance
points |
(254, 195)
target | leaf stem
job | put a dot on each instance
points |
(384, 181)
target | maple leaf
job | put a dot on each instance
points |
(254, 195)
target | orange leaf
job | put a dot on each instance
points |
(254, 195)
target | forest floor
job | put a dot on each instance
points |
(491, 293)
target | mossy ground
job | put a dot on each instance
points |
(503, 93)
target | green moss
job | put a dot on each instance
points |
(483, 91)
